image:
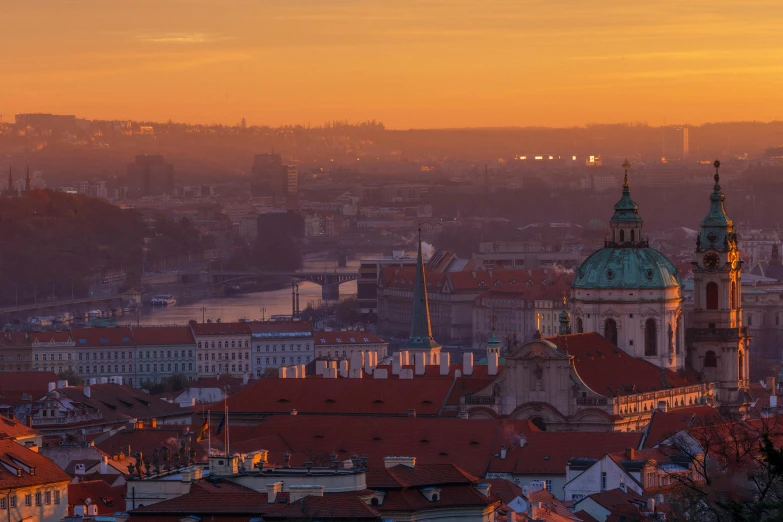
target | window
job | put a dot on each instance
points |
(48, 497)
(57, 497)
(2, 503)
(610, 331)
(28, 500)
(651, 480)
(548, 485)
(650, 338)
(710, 360)
(711, 293)
(603, 481)
(750, 320)
(622, 236)
(579, 326)
(38, 498)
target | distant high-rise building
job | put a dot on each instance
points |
(685, 142)
(150, 175)
(270, 178)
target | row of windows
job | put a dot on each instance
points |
(220, 344)
(11, 358)
(284, 360)
(220, 356)
(177, 354)
(44, 498)
(291, 347)
(221, 368)
(122, 368)
(328, 353)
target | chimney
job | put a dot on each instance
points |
(186, 476)
(492, 364)
(662, 406)
(630, 453)
(294, 412)
(272, 490)
(153, 423)
(344, 368)
(245, 378)
(770, 381)
(355, 373)
(396, 363)
(445, 363)
(52, 386)
(390, 462)
(503, 451)
(92, 510)
(299, 492)
(93, 380)
(282, 372)
(62, 384)
(623, 487)
(405, 358)
(467, 363)
(105, 465)
(86, 390)
(380, 373)
(419, 363)
(406, 373)
(319, 367)
(651, 505)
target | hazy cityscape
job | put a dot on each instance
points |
(419, 261)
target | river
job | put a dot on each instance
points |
(254, 305)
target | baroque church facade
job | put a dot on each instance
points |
(630, 353)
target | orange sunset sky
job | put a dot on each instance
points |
(407, 63)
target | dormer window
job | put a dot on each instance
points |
(432, 494)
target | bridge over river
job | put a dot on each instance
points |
(329, 281)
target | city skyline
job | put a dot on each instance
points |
(408, 64)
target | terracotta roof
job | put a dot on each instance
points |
(207, 498)
(552, 505)
(221, 328)
(119, 403)
(609, 371)
(145, 440)
(34, 383)
(108, 499)
(11, 429)
(548, 452)
(345, 506)
(118, 336)
(163, 335)
(665, 424)
(468, 444)
(17, 457)
(614, 498)
(61, 336)
(451, 496)
(345, 338)
(504, 489)
(512, 280)
(341, 396)
(429, 475)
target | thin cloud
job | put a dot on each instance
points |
(184, 38)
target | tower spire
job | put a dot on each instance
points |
(716, 228)
(421, 328)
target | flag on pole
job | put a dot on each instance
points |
(204, 429)
(222, 423)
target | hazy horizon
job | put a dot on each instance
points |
(410, 64)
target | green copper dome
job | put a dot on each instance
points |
(618, 267)
(626, 210)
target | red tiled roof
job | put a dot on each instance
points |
(395, 277)
(108, 499)
(61, 336)
(614, 498)
(504, 489)
(346, 338)
(548, 452)
(119, 403)
(118, 336)
(451, 496)
(206, 498)
(12, 429)
(34, 383)
(608, 370)
(163, 335)
(665, 424)
(147, 439)
(512, 280)
(17, 457)
(221, 328)
(342, 396)
(468, 444)
(429, 475)
(345, 506)
(552, 505)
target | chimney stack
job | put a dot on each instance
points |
(419, 363)
(467, 363)
(445, 363)
(492, 363)
(272, 490)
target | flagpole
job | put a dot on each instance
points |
(209, 435)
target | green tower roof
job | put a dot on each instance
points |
(716, 226)
(421, 329)
(626, 210)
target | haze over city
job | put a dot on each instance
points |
(410, 64)
(391, 261)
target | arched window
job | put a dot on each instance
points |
(740, 366)
(711, 293)
(632, 236)
(622, 236)
(650, 338)
(710, 361)
(733, 295)
(539, 423)
(579, 326)
(750, 320)
(610, 331)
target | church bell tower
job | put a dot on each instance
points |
(718, 342)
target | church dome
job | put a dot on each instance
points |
(623, 267)
(626, 261)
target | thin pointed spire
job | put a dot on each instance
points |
(421, 327)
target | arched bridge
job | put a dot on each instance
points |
(329, 281)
